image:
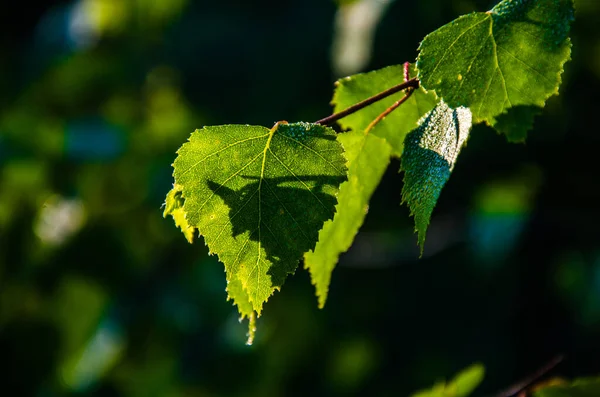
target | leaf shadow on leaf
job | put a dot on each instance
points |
(285, 229)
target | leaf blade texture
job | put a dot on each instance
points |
(259, 198)
(429, 157)
(490, 62)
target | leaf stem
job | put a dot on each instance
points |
(389, 110)
(412, 83)
(395, 105)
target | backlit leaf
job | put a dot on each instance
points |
(368, 158)
(259, 198)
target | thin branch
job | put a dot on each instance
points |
(389, 110)
(412, 83)
(395, 105)
(525, 383)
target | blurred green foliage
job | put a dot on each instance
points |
(579, 388)
(462, 385)
(101, 296)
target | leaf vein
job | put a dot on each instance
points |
(299, 180)
(220, 151)
(454, 42)
(224, 182)
(288, 212)
(315, 152)
(526, 64)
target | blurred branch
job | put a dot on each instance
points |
(525, 383)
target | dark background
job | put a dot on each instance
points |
(101, 296)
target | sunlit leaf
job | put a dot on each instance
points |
(368, 158)
(429, 156)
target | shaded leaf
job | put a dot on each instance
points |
(512, 55)
(516, 122)
(429, 156)
(353, 89)
(259, 198)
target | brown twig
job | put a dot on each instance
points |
(389, 110)
(395, 105)
(412, 83)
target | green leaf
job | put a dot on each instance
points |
(516, 122)
(259, 198)
(174, 207)
(579, 388)
(429, 156)
(368, 157)
(512, 55)
(462, 385)
(353, 89)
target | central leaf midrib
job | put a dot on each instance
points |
(262, 174)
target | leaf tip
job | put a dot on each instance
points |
(322, 298)
(251, 329)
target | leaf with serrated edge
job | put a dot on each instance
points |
(489, 62)
(259, 198)
(430, 152)
(393, 128)
(174, 207)
(368, 157)
(515, 122)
